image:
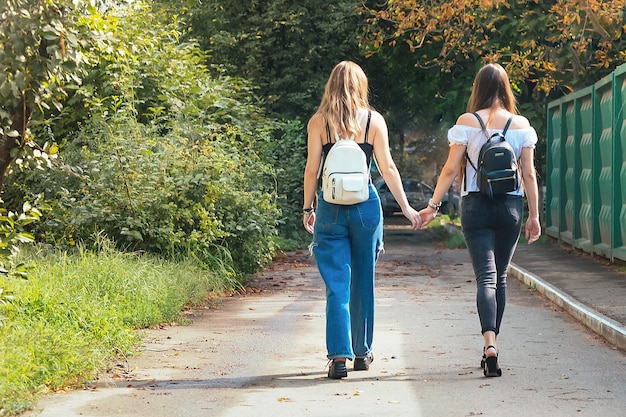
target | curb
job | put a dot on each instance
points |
(609, 329)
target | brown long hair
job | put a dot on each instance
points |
(492, 86)
(345, 93)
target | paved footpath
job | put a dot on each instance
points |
(262, 353)
(587, 287)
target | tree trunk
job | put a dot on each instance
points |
(8, 144)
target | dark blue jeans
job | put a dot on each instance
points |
(346, 245)
(491, 229)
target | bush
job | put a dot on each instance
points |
(166, 157)
(287, 150)
(170, 196)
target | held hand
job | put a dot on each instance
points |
(427, 214)
(309, 221)
(532, 231)
(413, 216)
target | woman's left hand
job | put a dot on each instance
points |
(428, 214)
(309, 221)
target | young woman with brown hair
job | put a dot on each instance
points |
(491, 227)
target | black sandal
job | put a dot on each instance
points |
(491, 367)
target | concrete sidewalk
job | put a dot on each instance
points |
(587, 288)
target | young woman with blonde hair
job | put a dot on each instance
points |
(347, 239)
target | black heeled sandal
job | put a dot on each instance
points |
(482, 360)
(491, 367)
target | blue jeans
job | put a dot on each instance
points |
(346, 244)
(491, 229)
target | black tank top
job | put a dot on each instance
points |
(366, 147)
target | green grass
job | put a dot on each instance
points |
(452, 239)
(455, 241)
(77, 313)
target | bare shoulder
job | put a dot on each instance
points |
(377, 119)
(315, 120)
(519, 122)
(378, 125)
(468, 119)
(316, 130)
(316, 123)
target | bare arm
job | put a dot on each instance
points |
(448, 173)
(388, 168)
(532, 229)
(315, 130)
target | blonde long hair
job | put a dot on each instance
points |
(345, 93)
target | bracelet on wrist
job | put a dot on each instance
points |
(433, 205)
(308, 210)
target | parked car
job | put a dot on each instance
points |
(417, 192)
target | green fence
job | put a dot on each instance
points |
(586, 168)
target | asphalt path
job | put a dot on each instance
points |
(262, 353)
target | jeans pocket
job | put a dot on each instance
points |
(327, 215)
(370, 213)
(514, 207)
(473, 211)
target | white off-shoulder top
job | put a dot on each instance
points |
(474, 138)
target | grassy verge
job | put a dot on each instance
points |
(77, 313)
(449, 230)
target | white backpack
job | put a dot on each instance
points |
(346, 174)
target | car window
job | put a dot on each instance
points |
(412, 186)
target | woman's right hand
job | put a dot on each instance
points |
(532, 230)
(428, 214)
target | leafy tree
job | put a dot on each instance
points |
(548, 47)
(554, 45)
(39, 61)
(287, 48)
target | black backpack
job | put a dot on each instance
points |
(497, 170)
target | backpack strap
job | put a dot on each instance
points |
(328, 132)
(506, 126)
(484, 129)
(482, 124)
(367, 127)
